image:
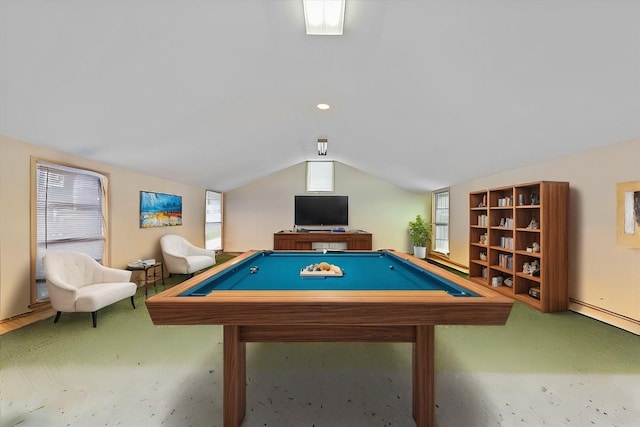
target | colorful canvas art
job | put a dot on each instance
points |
(160, 210)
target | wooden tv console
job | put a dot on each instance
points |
(291, 240)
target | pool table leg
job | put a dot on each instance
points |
(423, 376)
(234, 399)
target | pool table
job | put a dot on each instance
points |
(365, 296)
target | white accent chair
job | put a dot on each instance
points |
(181, 257)
(78, 283)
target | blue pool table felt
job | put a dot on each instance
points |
(268, 270)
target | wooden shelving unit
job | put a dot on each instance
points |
(518, 241)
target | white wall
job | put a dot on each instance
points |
(256, 211)
(604, 277)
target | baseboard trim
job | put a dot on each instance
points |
(25, 319)
(606, 316)
(448, 263)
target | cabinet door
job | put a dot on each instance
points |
(283, 242)
(360, 243)
(302, 246)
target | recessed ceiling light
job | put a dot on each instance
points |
(323, 106)
(324, 17)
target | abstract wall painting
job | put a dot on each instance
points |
(160, 210)
(628, 221)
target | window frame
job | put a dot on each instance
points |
(104, 188)
(435, 216)
(316, 177)
(206, 214)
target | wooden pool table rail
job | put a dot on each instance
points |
(329, 307)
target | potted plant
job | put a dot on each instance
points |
(420, 234)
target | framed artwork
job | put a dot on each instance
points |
(628, 214)
(160, 210)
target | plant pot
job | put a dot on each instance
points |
(420, 252)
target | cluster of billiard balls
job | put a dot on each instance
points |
(323, 267)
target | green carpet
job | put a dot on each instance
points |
(539, 342)
(531, 342)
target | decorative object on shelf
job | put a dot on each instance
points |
(508, 282)
(535, 246)
(531, 268)
(521, 199)
(483, 203)
(420, 234)
(483, 256)
(496, 281)
(533, 225)
(535, 292)
(484, 238)
(535, 200)
(535, 268)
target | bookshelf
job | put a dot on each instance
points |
(518, 242)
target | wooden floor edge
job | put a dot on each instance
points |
(26, 319)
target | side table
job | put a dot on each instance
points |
(150, 274)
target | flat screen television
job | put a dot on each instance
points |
(321, 210)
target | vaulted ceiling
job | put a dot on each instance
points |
(218, 93)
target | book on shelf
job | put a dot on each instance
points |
(505, 261)
(505, 202)
(506, 242)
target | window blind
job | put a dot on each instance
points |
(69, 212)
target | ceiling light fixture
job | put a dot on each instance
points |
(323, 106)
(322, 146)
(324, 17)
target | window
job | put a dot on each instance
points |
(319, 177)
(441, 221)
(213, 221)
(69, 215)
